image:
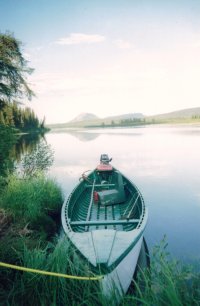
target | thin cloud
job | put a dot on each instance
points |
(80, 38)
(122, 44)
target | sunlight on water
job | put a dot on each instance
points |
(162, 161)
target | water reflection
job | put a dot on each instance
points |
(7, 141)
(91, 134)
(162, 161)
(84, 136)
(26, 143)
(13, 147)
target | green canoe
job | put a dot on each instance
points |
(105, 217)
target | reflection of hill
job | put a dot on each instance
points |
(84, 136)
(89, 135)
(81, 135)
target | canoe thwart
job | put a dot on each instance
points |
(105, 222)
(101, 185)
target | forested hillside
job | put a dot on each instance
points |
(23, 119)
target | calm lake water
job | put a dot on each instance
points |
(164, 162)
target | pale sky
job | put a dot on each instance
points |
(108, 57)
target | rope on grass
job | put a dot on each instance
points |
(5, 265)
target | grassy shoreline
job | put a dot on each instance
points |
(29, 212)
(29, 223)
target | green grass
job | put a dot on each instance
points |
(28, 223)
(30, 289)
(28, 210)
(31, 199)
(166, 283)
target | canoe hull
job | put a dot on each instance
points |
(118, 281)
(109, 233)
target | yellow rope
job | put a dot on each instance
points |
(2, 264)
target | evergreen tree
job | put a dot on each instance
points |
(22, 119)
(42, 124)
(14, 87)
(13, 71)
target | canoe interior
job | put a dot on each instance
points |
(83, 213)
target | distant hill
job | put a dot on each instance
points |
(84, 117)
(88, 116)
(183, 113)
(89, 120)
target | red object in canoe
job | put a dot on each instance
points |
(104, 167)
(96, 196)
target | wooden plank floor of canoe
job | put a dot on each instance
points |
(100, 212)
(94, 215)
(97, 213)
(110, 216)
(117, 216)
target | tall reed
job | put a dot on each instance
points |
(167, 282)
(32, 201)
(30, 289)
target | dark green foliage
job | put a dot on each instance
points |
(28, 212)
(23, 119)
(26, 144)
(44, 225)
(3, 183)
(27, 289)
(30, 199)
(7, 140)
(13, 147)
(13, 71)
(167, 283)
(14, 87)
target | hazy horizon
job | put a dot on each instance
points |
(75, 118)
(108, 57)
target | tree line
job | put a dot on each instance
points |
(20, 118)
(14, 87)
(124, 122)
(132, 121)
